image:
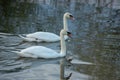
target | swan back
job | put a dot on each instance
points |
(44, 36)
(39, 52)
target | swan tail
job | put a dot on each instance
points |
(17, 52)
(23, 37)
(25, 54)
(26, 38)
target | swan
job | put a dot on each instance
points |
(44, 52)
(48, 36)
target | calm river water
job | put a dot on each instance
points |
(95, 39)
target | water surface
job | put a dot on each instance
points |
(95, 39)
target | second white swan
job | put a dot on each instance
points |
(48, 36)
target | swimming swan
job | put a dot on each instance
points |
(48, 36)
(44, 52)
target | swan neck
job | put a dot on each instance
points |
(63, 45)
(65, 23)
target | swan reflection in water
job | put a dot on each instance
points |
(70, 62)
(63, 62)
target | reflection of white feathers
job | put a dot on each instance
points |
(75, 61)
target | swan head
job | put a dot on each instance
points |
(68, 16)
(65, 32)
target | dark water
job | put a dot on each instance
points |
(96, 39)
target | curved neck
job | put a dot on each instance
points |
(65, 23)
(63, 45)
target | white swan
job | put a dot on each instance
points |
(48, 36)
(44, 52)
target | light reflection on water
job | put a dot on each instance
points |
(95, 39)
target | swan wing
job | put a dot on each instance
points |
(39, 51)
(44, 36)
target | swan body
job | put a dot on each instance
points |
(42, 37)
(39, 52)
(48, 36)
(44, 52)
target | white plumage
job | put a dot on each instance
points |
(44, 52)
(48, 36)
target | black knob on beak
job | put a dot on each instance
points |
(69, 34)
